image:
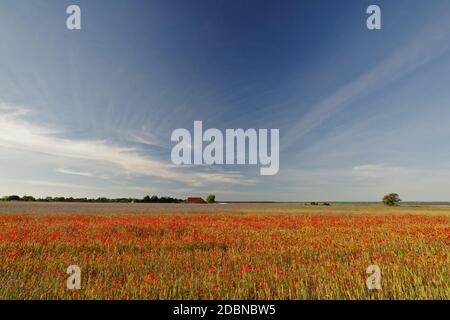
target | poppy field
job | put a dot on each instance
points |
(309, 254)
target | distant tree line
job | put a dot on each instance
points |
(146, 199)
(318, 204)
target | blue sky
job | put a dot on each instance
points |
(361, 113)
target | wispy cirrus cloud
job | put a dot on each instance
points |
(18, 132)
(144, 136)
(429, 44)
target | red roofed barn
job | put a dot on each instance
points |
(195, 200)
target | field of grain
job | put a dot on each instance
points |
(223, 251)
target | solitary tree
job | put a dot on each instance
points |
(211, 198)
(391, 199)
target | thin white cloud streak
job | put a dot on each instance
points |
(18, 133)
(428, 45)
(75, 173)
(375, 171)
(64, 185)
(44, 183)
